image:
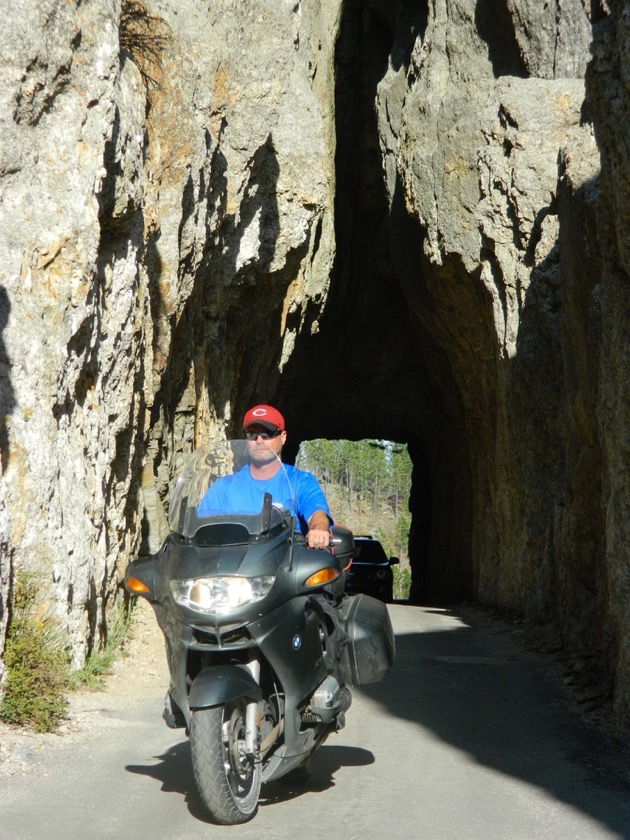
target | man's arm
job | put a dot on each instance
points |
(313, 507)
(318, 535)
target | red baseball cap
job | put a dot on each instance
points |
(265, 416)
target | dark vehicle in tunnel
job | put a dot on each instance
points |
(371, 570)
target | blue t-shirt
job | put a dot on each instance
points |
(296, 490)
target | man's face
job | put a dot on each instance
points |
(264, 451)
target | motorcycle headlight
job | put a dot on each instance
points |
(220, 594)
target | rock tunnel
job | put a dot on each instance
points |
(442, 324)
(385, 360)
(375, 368)
(399, 220)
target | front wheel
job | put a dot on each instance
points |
(228, 779)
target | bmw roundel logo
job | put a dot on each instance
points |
(296, 642)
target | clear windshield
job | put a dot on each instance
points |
(229, 482)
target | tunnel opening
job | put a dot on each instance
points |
(367, 485)
(374, 369)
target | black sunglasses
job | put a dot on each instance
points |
(250, 434)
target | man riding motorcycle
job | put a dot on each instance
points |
(258, 628)
(264, 430)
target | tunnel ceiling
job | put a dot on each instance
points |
(374, 369)
(371, 364)
(443, 307)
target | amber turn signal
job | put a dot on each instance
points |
(321, 577)
(135, 585)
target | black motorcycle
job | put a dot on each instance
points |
(239, 597)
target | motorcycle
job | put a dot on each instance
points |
(238, 596)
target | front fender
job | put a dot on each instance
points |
(221, 683)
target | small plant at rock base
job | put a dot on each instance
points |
(99, 662)
(36, 662)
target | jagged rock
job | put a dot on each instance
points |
(389, 217)
(167, 187)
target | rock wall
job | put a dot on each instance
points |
(606, 323)
(166, 232)
(402, 220)
(492, 222)
(476, 154)
(493, 142)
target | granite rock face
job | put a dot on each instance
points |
(399, 220)
(167, 184)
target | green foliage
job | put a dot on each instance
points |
(37, 666)
(401, 535)
(99, 662)
(101, 659)
(38, 670)
(375, 471)
(367, 483)
(402, 582)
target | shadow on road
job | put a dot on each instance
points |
(328, 761)
(481, 694)
(175, 774)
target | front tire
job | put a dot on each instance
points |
(228, 779)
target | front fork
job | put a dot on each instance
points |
(252, 717)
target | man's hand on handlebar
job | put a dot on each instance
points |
(318, 535)
(318, 539)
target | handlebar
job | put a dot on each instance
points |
(340, 538)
